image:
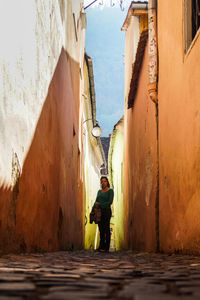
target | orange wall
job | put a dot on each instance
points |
(179, 133)
(44, 210)
(140, 168)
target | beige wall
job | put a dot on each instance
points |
(140, 168)
(179, 133)
(40, 179)
(131, 42)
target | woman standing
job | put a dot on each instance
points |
(104, 199)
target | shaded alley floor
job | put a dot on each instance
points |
(93, 275)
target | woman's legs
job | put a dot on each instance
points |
(104, 228)
(102, 235)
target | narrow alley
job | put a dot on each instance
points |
(92, 275)
(145, 243)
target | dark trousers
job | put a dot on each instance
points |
(104, 228)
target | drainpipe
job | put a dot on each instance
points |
(139, 5)
(153, 93)
(133, 6)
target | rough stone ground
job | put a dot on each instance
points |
(92, 275)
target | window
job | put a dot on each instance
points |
(195, 16)
(192, 21)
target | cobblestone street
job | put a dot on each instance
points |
(93, 275)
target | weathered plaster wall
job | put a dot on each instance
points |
(179, 133)
(116, 174)
(40, 193)
(140, 168)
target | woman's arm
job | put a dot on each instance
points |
(95, 201)
(111, 196)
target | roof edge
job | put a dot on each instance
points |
(89, 63)
(135, 5)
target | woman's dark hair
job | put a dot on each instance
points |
(104, 177)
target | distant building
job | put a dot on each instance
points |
(105, 141)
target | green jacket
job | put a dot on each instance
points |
(105, 199)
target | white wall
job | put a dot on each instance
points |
(32, 35)
(131, 42)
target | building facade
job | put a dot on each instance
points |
(41, 61)
(140, 159)
(179, 126)
(162, 129)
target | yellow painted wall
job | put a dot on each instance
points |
(116, 161)
(91, 181)
(143, 22)
(92, 162)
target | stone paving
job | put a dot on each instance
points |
(93, 275)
